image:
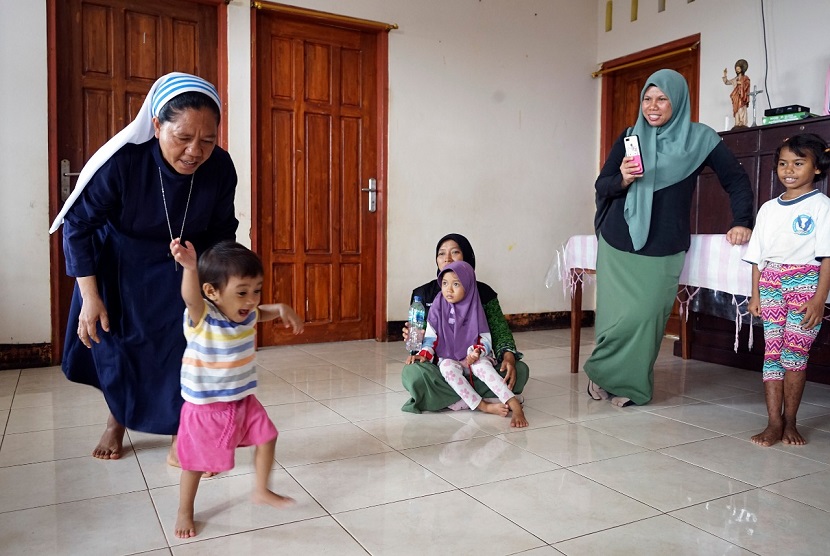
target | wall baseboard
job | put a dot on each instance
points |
(23, 356)
(519, 322)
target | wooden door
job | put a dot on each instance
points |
(107, 55)
(317, 141)
(621, 100)
(621, 88)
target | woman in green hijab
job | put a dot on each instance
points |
(643, 228)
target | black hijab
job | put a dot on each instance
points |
(463, 244)
(430, 290)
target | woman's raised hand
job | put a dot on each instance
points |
(630, 171)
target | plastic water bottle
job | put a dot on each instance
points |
(417, 326)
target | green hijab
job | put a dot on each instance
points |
(670, 152)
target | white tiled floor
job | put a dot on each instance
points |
(678, 476)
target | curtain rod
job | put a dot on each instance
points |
(314, 14)
(645, 60)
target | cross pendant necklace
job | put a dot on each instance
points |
(167, 214)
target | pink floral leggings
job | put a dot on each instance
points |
(454, 373)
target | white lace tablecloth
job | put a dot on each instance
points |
(711, 262)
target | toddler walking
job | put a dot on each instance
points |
(218, 378)
(458, 339)
(789, 252)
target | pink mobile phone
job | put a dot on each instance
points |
(632, 148)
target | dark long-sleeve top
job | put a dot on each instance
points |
(670, 230)
(124, 197)
(118, 232)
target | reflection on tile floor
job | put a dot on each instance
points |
(678, 476)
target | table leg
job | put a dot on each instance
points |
(576, 317)
(685, 330)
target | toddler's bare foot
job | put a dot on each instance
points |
(185, 527)
(272, 499)
(791, 436)
(770, 435)
(518, 419)
(495, 408)
(173, 457)
(112, 441)
(173, 461)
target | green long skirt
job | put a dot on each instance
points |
(430, 392)
(635, 295)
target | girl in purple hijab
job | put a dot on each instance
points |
(458, 340)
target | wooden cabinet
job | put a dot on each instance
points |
(712, 334)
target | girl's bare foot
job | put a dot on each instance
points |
(791, 436)
(272, 499)
(770, 435)
(112, 441)
(185, 527)
(518, 419)
(499, 409)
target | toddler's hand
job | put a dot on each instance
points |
(185, 254)
(290, 318)
(415, 359)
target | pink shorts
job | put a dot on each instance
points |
(209, 433)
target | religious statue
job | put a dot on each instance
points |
(740, 92)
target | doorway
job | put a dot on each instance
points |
(320, 105)
(104, 57)
(623, 79)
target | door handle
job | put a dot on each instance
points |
(372, 190)
(66, 188)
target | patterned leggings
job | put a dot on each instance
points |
(784, 288)
(454, 371)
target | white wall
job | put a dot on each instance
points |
(798, 47)
(492, 126)
(487, 100)
(24, 195)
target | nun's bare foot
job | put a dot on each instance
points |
(112, 441)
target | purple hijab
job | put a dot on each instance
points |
(470, 320)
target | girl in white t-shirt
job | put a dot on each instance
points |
(790, 256)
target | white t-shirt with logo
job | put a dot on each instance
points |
(794, 231)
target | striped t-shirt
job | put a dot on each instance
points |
(218, 364)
